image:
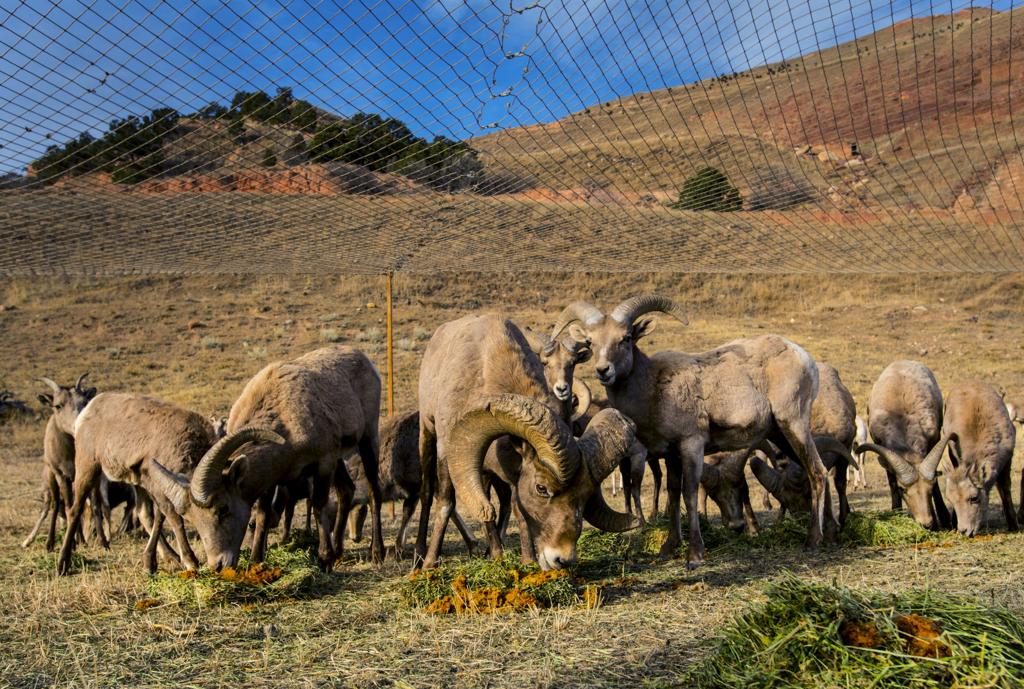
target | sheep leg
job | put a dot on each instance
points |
(624, 477)
(674, 468)
(97, 517)
(428, 486)
(655, 466)
(260, 513)
(149, 554)
(408, 507)
(939, 506)
(895, 497)
(527, 553)
(797, 436)
(188, 557)
(504, 493)
(369, 451)
(446, 502)
(839, 481)
(39, 524)
(86, 477)
(748, 510)
(325, 553)
(693, 466)
(1005, 496)
(702, 501)
(356, 521)
(346, 492)
(1020, 512)
(467, 534)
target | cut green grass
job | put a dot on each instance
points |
(484, 585)
(288, 572)
(809, 636)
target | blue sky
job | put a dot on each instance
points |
(454, 67)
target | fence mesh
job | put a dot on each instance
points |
(373, 136)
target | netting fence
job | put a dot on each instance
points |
(381, 136)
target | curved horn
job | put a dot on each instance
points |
(826, 443)
(931, 462)
(207, 476)
(609, 437)
(768, 477)
(78, 383)
(582, 311)
(581, 391)
(631, 309)
(47, 381)
(500, 415)
(906, 473)
(599, 514)
(539, 342)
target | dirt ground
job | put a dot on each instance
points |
(196, 340)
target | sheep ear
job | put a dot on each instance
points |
(643, 327)
(47, 400)
(578, 334)
(90, 393)
(583, 354)
(172, 485)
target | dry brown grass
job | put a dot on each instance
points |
(154, 335)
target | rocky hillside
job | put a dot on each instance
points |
(916, 115)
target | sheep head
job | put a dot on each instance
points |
(66, 403)
(725, 482)
(211, 498)
(560, 356)
(559, 477)
(967, 488)
(915, 476)
(613, 338)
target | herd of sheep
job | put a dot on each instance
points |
(504, 428)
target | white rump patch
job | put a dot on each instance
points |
(807, 360)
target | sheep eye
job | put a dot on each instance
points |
(974, 500)
(542, 491)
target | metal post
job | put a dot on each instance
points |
(391, 351)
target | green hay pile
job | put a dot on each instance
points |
(808, 636)
(299, 577)
(886, 529)
(516, 586)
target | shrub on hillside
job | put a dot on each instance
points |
(708, 190)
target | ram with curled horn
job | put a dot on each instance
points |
(481, 383)
(905, 420)
(139, 440)
(322, 404)
(686, 405)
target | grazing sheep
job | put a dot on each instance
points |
(481, 382)
(323, 404)
(687, 404)
(980, 437)
(904, 419)
(832, 416)
(11, 407)
(139, 440)
(725, 482)
(786, 481)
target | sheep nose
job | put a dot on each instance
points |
(561, 562)
(561, 390)
(603, 370)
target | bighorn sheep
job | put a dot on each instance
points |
(687, 404)
(724, 480)
(139, 440)
(322, 403)
(481, 382)
(980, 437)
(833, 427)
(904, 419)
(65, 404)
(11, 407)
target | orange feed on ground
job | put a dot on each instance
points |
(922, 636)
(860, 633)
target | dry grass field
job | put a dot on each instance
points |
(196, 340)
